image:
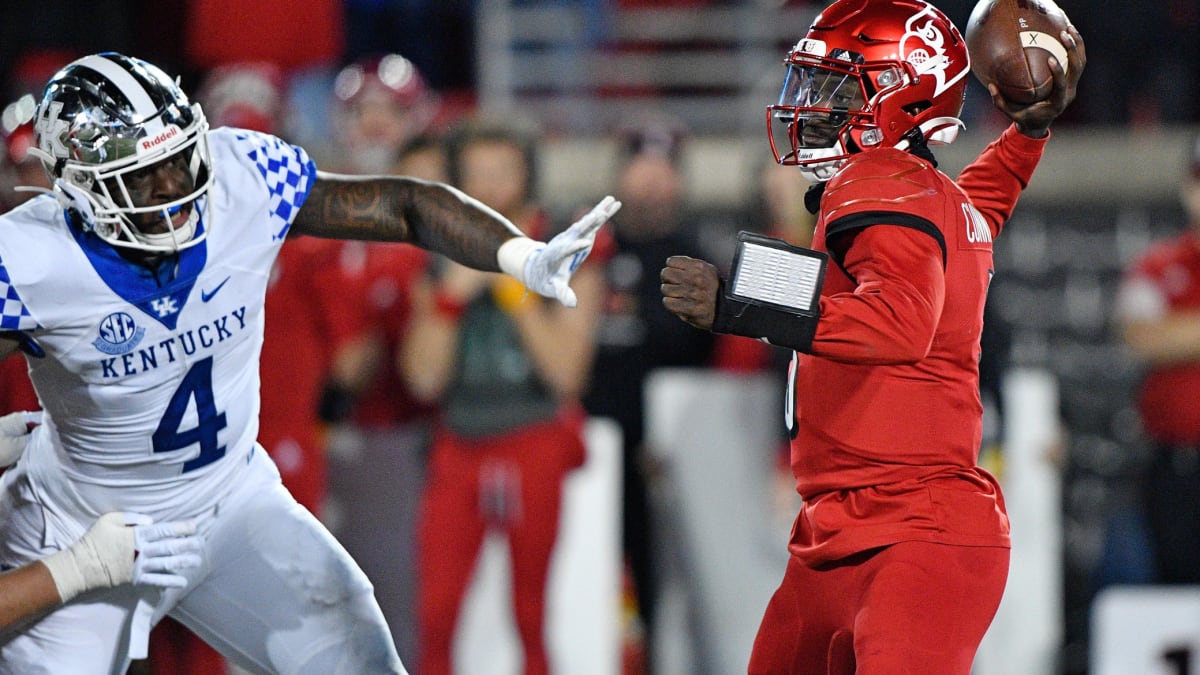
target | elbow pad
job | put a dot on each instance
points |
(773, 293)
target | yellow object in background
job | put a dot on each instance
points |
(512, 296)
(991, 458)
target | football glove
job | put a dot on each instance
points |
(121, 548)
(546, 268)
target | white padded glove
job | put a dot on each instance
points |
(546, 268)
(126, 547)
(14, 435)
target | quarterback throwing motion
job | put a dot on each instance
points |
(900, 552)
(135, 289)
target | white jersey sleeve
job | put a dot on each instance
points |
(150, 379)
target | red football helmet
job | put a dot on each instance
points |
(245, 95)
(868, 74)
(390, 75)
(381, 103)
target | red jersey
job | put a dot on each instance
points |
(299, 336)
(377, 278)
(324, 294)
(887, 415)
(1168, 281)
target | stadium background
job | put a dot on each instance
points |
(1107, 187)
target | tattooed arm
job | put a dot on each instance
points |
(430, 215)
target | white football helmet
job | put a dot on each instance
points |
(106, 116)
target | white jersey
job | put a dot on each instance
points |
(151, 386)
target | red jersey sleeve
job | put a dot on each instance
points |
(892, 313)
(16, 391)
(996, 178)
(882, 302)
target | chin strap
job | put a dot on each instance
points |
(914, 142)
(812, 197)
(174, 238)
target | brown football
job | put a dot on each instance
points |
(1011, 41)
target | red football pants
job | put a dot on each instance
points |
(175, 650)
(913, 607)
(512, 483)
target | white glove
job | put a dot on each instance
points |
(546, 268)
(126, 547)
(14, 435)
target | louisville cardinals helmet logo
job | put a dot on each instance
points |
(924, 46)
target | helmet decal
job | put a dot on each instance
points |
(811, 46)
(53, 129)
(924, 46)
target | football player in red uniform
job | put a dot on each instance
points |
(1158, 311)
(899, 555)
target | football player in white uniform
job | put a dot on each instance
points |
(136, 291)
(120, 548)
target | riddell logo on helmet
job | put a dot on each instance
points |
(147, 144)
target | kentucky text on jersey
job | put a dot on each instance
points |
(185, 343)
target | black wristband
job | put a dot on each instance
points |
(25, 343)
(337, 403)
(773, 293)
(785, 329)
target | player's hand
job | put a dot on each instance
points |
(14, 434)
(689, 290)
(164, 550)
(121, 548)
(548, 270)
(1034, 119)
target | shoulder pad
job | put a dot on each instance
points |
(881, 180)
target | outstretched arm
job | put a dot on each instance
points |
(431, 215)
(1004, 168)
(26, 593)
(445, 220)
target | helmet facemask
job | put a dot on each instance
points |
(95, 146)
(112, 210)
(823, 114)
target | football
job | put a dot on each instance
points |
(1011, 42)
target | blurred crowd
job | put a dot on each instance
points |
(373, 401)
(442, 38)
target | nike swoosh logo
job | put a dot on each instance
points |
(205, 296)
